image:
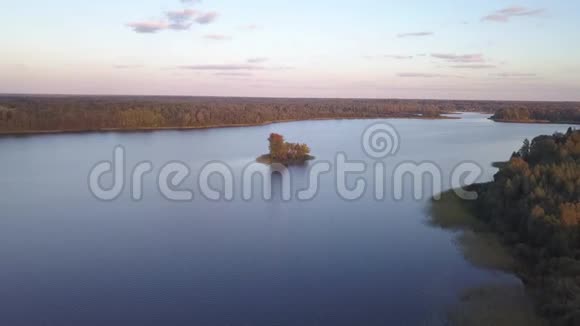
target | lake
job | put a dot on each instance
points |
(68, 258)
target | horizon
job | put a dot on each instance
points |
(282, 98)
(492, 51)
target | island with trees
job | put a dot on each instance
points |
(284, 152)
(533, 206)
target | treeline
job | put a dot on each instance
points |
(554, 115)
(94, 113)
(534, 203)
(25, 114)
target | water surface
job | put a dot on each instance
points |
(70, 259)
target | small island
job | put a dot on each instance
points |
(284, 152)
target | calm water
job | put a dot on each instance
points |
(70, 259)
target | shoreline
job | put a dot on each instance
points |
(536, 121)
(267, 160)
(218, 126)
(481, 245)
(535, 279)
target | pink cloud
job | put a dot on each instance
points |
(207, 18)
(504, 15)
(398, 57)
(425, 75)
(148, 26)
(220, 67)
(464, 58)
(181, 15)
(415, 34)
(474, 66)
(257, 60)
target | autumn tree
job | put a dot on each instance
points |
(277, 147)
(281, 150)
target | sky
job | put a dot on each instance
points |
(443, 49)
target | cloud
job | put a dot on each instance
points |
(474, 66)
(465, 58)
(220, 67)
(180, 27)
(206, 18)
(504, 15)
(181, 15)
(424, 75)
(398, 57)
(148, 27)
(257, 60)
(514, 75)
(177, 20)
(415, 34)
(233, 67)
(127, 66)
(217, 37)
(389, 56)
(181, 20)
(234, 74)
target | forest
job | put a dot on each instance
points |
(32, 113)
(534, 204)
(571, 115)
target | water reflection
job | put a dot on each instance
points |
(493, 304)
